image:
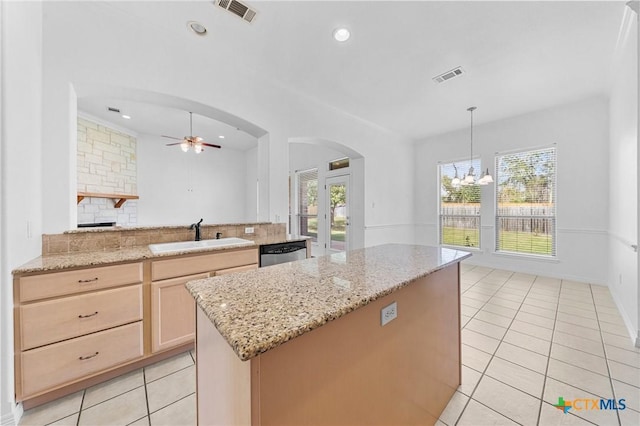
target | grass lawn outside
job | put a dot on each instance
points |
(520, 242)
(463, 237)
(338, 230)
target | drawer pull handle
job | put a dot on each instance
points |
(88, 316)
(82, 358)
(88, 281)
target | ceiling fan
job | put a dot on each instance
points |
(195, 142)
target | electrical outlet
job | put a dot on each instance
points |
(388, 313)
(248, 230)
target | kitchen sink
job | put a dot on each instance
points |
(198, 245)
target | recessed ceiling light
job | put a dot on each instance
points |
(220, 137)
(341, 34)
(126, 117)
(197, 28)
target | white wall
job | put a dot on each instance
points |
(20, 166)
(251, 179)
(623, 166)
(114, 58)
(179, 188)
(580, 132)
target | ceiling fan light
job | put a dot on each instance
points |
(184, 146)
(197, 148)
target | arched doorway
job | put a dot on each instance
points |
(326, 194)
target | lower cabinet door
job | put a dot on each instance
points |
(172, 312)
(49, 366)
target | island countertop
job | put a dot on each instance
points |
(259, 310)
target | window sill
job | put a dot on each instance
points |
(521, 256)
(471, 249)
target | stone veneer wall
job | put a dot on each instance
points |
(106, 164)
(101, 239)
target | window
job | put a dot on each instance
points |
(459, 206)
(339, 164)
(308, 203)
(525, 198)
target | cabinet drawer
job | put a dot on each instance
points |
(236, 269)
(61, 283)
(49, 366)
(54, 320)
(189, 265)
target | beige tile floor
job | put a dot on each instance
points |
(160, 394)
(527, 340)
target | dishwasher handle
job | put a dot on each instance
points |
(283, 248)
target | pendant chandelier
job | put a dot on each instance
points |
(470, 178)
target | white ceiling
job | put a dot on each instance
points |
(518, 56)
(156, 120)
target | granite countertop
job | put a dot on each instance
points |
(59, 262)
(258, 310)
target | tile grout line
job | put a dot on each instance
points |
(604, 349)
(170, 404)
(493, 355)
(146, 394)
(84, 393)
(546, 370)
(481, 373)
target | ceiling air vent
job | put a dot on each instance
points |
(238, 9)
(112, 109)
(448, 75)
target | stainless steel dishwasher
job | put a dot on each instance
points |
(272, 254)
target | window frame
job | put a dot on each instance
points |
(463, 167)
(553, 219)
(299, 215)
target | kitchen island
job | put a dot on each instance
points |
(302, 343)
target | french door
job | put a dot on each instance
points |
(337, 214)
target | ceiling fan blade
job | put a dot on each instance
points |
(172, 137)
(211, 145)
(177, 143)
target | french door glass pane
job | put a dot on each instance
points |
(338, 216)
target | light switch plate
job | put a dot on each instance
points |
(388, 313)
(248, 230)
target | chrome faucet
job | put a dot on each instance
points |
(196, 226)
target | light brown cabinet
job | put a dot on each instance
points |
(75, 328)
(74, 324)
(172, 307)
(172, 312)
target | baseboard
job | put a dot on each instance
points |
(8, 419)
(631, 329)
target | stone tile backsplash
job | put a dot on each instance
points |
(101, 239)
(106, 164)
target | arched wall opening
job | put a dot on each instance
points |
(174, 187)
(316, 154)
